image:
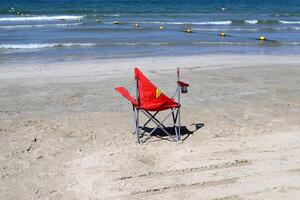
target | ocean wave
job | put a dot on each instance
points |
(38, 25)
(289, 22)
(53, 45)
(112, 15)
(224, 43)
(226, 29)
(41, 18)
(291, 43)
(192, 23)
(40, 46)
(43, 45)
(248, 29)
(251, 21)
(287, 28)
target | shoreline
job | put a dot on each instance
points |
(109, 67)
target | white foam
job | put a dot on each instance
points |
(38, 25)
(289, 22)
(42, 45)
(251, 21)
(288, 28)
(226, 29)
(141, 43)
(224, 43)
(112, 15)
(42, 18)
(195, 23)
(291, 43)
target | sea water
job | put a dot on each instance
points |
(84, 29)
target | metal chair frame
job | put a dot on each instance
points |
(139, 130)
(175, 112)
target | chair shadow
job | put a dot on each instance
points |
(185, 132)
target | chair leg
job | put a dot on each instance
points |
(179, 126)
(175, 118)
(137, 126)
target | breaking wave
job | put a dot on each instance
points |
(251, 21)
(289, 22)
(37, 25)
(41, 18)
(41, 45)
(193, 23)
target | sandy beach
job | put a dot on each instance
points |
(66, 134)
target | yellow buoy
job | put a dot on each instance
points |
(136, 25)
(116, 22)
(222, 34)
(262, 38)
(161, 28)
(188, 30)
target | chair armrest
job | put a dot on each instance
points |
(126, 94)
(181, 84)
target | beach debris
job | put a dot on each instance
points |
(222, 34)
(188, 30)
(33, 142)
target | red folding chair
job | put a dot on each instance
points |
(150, 100)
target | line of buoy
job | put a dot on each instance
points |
(189, 30)
(223, 34)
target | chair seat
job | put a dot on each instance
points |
(159, 107)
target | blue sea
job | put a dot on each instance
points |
(61, 30)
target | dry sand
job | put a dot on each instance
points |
(66, 134)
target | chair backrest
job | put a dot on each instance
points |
(149, 96)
